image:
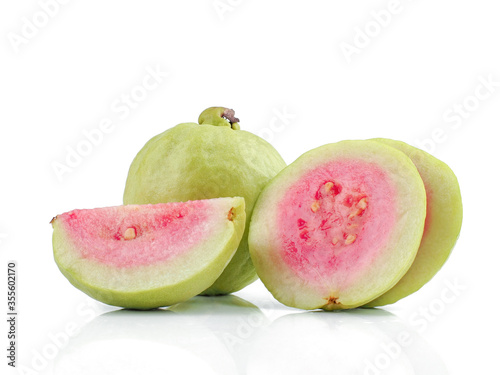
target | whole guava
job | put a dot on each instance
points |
(207, 160)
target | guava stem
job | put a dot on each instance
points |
(229, 115)
(219, 116)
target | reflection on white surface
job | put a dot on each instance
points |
(228, 335)
(346, 342)
(143, 342)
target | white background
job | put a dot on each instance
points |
(284, 68)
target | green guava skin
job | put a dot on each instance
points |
(207, 160)
(442, 224)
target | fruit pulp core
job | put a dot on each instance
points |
(335, 218)
(132, 236)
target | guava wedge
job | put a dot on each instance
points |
(442, 224)
(207, 160)
(148, 256)
(339, 226)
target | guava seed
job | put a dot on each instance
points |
(315, 206)
(362, 204)
(230, 214)
(350, 239)
(130, 234)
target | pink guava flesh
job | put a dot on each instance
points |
(129, 237)
(335, 219)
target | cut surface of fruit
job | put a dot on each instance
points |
(442, 224)
(147, 256)
(343, 218)
(339, 226)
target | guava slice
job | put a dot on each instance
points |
(147, 256)
(207, 160)
(339, 226)
(442, 224)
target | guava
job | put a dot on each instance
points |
(207, 160)
(148, 256)
(339, 226)
(442, 224)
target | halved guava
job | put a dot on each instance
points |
(339, 226)
(207, 160)
(147, 256)
(442, 224)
